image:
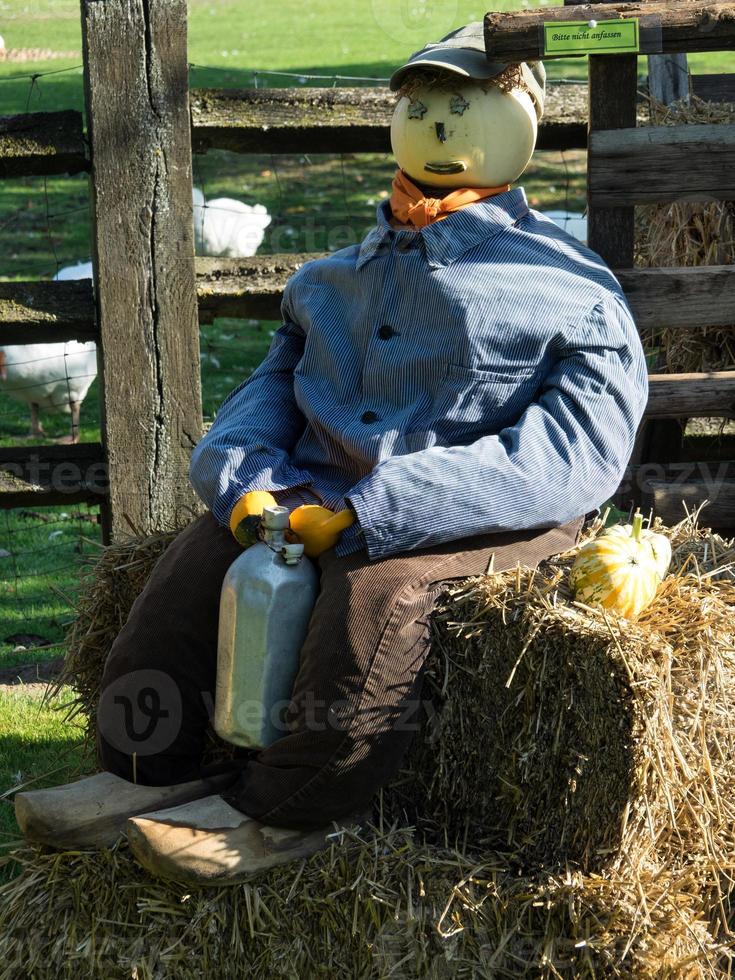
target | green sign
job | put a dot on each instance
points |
(591, 37)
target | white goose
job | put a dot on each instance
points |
(226, 227)
(51, 376)
(58, 376)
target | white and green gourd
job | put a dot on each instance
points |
(621, 569)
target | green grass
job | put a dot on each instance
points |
(228, 39)
(38, 747)
(39, 579)
(45, 223)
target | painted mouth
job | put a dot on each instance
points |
(453, 167)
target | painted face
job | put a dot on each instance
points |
(467, 137)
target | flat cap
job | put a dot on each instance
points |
(463, 52)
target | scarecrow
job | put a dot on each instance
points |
(466, 383)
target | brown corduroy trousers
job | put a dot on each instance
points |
(356, 699)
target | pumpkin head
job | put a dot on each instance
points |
(463, 133)
(618, 570)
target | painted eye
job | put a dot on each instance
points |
(417, 110)
(457, 105)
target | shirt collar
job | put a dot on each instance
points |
(444, 241)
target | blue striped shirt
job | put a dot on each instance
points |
(479, 375)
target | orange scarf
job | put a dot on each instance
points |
(409, 205)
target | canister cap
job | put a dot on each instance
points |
(275, 518)
(292, 553)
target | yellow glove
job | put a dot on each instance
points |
(246, 515)
(318, 528)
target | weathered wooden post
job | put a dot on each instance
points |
(668, 77)
(137, 95)
(613, 83)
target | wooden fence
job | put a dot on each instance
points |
(150, 293)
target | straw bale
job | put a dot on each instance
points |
(111, 582)
(571, 800)
(688, 234)
(562, 735)
(379, 905)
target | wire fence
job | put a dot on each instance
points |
(257, 75)
(40, 556)
(242, 205)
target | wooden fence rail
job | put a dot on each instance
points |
(343, 120)
(714, 88)
(46, 312)
(703, 296)
(312, 120)
(667, 489)
(42, 143)
(697, 25)
(47, 475)
(653, 165)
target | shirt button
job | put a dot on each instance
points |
(369, 417)
(386, 332)
(404, 243)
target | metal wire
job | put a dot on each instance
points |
(34, 76)
(256, 72)
(20, 576)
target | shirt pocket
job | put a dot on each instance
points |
(471, 402)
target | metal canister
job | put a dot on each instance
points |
(267, 597)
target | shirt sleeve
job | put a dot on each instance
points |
(256, 428)
(350, 541)
(565, 455)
